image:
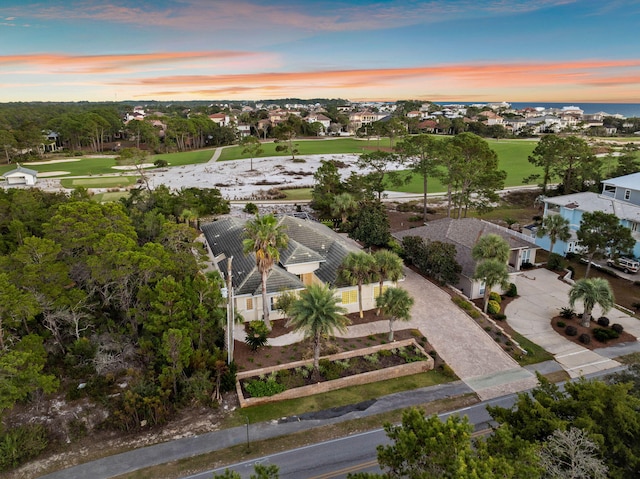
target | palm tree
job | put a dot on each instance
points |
(491, 272)
(556, 228)
(591, 291)
(396, 304)
(316, 313)
(264, 238)
(388, 267)
(357, 268)
(343, 205)
(491, 246)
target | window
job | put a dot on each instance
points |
(609, 190)
(481, 290)
(249, 305)
(272, 303)
(627, 194)
(349, 297)
(634, 226)
(376, 290)
(526, 256)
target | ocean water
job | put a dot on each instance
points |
(625, 109)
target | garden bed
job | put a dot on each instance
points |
(361, 366)
(594, 343)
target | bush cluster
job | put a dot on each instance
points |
(571, 331)
(258, 388)
(561, 324)
(493, 296)
(20, 444)
(584, 338)
(493, 307)
(617, 328)
(556, 262)
(512, 291)
(603, 321)
(567, 313)
(257, 333)
(603, 334)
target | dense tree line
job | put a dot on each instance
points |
(106, 294)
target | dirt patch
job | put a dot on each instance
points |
(594, 344)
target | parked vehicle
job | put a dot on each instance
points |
(627, 265)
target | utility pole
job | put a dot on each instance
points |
(230, 313)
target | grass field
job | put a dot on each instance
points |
(185, 157)
(100, 182)
(305, 147)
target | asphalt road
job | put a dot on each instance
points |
(356, 453)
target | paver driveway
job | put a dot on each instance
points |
(462, 343)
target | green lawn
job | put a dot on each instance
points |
(306, 147)
(298, 194)
(342, 397)
(100, 182)
(184, 158)
(512, 157)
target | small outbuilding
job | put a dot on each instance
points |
(21, 176)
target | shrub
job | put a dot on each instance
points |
(567, 313)
(556, 262)
(499, 316)
(512, 291)
(636, 305)
(493, 307)
(617, 328)
(330, 370)
(493, 296)
(161, 163)
(603, 335)
(257, 333)
(571, 331)
(20, 444)
(527, 265)
(584, 338)
(603, 321)
(474, 313)
(257, 388)
(561, 324)
(250, 208)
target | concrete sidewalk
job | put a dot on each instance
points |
(541, 296)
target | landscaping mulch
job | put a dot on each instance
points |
(594, 344)
(268, 355)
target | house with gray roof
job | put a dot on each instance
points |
(21, 176)
(464, 233)
(313, 255)
(620, 196)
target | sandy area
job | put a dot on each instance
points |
(133, 167)
(47, 174)
(49, 162)
(235, 181)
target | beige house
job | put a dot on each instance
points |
(314, 255)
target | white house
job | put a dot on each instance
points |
(21, 176)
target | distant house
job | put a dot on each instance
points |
(21, 176)
(324, 120)
(620, 196)
(220, 119)
(313, 255)
(464, 233)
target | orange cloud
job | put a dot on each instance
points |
(116, 63)
(552, 73)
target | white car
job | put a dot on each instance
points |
(627, 265)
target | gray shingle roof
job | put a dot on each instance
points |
(309, 241)
(463, 233)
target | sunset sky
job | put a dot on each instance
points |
(465, 50)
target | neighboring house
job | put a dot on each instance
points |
(358, 119)
(324, 120)
(220, 119)
(620, 196)
(464, 234)
(21, 176)
(243, 129)
(313, 255)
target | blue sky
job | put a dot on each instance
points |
(494, 50)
